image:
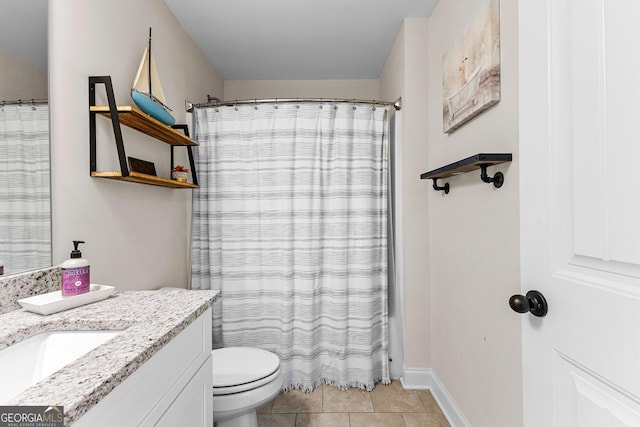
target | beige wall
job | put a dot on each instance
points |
(137, 235)
(268, 89)
(474, 243)
(405, 75)
(21, 80)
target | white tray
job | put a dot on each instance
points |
(54, 302)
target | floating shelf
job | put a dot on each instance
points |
(479, 161)
(142, 178)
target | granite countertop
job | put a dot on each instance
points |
(149, 319)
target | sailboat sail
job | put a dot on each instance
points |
(147, 91)
(148, 69)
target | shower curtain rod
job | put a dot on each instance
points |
(215, 102)
(24, 102)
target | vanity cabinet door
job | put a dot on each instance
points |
(193, 406)
(178, 372)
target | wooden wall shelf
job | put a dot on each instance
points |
(136, 119)
(142, 178)
(479, 161)
(176, 136)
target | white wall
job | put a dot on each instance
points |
(474, 237)
(405, 75)
(137, 235)
(268, 89)
(21, 80)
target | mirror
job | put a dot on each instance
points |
(25, 190)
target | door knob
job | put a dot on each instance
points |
(533, 302)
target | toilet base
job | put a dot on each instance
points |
(239, 409)
(250, 419)
(235, 405)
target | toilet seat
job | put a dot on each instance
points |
(238, 369)
(222, 391)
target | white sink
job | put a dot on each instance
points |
(25, 363)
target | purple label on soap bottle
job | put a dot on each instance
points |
(75, 281)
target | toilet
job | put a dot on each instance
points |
(244, 378)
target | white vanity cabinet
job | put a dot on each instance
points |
(173, 388)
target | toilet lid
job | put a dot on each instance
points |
(240, 365)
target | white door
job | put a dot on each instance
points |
(579, 156)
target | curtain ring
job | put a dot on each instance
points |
(276, 106)
(33, 104)
(235, 105)
(255, 101)
(298, 103)
(354, 104)
(321, 103)
(374, 105)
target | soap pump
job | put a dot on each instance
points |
(75, 273)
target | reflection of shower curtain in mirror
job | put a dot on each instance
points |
(25, 205)
(290, 222)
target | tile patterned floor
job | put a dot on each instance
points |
(385, 406)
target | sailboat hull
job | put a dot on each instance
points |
(152, 108)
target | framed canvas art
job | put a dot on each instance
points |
(471, 69)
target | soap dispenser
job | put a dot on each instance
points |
(75, 273)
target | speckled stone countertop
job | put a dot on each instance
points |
(150, 319)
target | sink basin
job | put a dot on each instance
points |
(25, 363)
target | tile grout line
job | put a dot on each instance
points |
(424, 406)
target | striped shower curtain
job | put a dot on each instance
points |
(290, 223)
(25, 204)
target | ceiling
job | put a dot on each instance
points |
(28, 42)
(257, 39)
(296, 39)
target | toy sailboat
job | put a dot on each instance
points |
(147, 92)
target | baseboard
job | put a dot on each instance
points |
(417, 378)
(426, 379)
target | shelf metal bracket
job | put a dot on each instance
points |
(444, 188)
(497, 179)
(192, 164)
(115, 122)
